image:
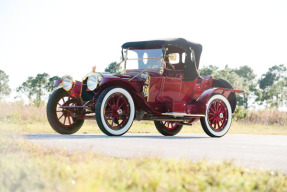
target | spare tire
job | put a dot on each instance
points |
(224, 84)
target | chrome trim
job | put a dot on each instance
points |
(88, 75)
(182, 114)
(145, 90)
(70, 80)
(92, 73)
(145, 58)
(125, 60)
(93, 82)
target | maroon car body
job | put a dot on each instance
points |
(171, 95)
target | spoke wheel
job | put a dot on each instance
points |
(217, 115)
(115, 111)
(217, 120)
(64, 120)
(168, 128)
(65, 115)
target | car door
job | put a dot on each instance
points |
(171, 88)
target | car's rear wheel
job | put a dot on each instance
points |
(63, 120)
(168, 128)
(115, 111)
(218, 117)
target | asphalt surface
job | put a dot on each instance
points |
(258, 151)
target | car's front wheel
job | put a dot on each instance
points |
(217, 120)
(168, 128)
(64, 120)
(115, 111)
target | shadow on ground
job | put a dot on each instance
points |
(143, 136)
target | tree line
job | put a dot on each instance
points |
(34, 87)
(269, 90)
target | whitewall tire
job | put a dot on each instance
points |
(218, 117)
(115, 111)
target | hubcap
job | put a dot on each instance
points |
(120, 111)
(221, 115)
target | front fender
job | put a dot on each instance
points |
(133, 89)
(75, 91)
(57, 82)
(203, 99)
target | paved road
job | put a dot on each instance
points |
(260, 151)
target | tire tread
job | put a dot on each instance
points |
(161, 129)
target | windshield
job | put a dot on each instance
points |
(144, 59)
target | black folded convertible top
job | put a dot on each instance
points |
(191, 67)
(154, 44)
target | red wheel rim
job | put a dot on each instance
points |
(65, 116)
(217, 115)
(170, 125)
(116, 111)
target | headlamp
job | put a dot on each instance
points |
(93, 82)
(67, 83)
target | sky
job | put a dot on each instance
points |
(66, 37)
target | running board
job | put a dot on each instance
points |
(183, 114)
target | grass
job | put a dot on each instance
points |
(28, 167)
(266, 117)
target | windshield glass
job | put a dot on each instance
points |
(144, 59)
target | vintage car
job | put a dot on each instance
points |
(159, 82)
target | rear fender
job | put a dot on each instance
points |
(203, 99)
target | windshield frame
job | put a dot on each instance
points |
(125, 59)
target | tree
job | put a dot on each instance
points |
(275, 73)
(4, 87)
(237, 82)
(113, 68)
(209, 70)
(279, 94)
(273, 87)
(247, 73)
(37, 86)
(50, 85)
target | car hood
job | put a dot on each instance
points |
(109, 75)
(132, 73)
(121, 76)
